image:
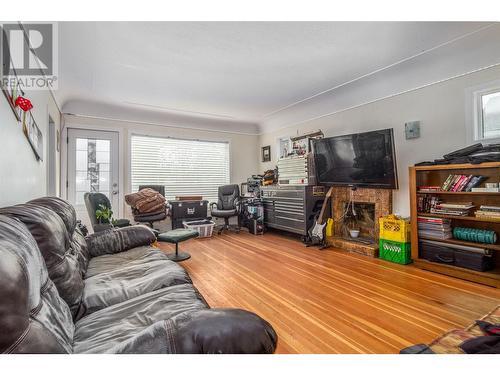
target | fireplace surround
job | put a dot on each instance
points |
(369, 206)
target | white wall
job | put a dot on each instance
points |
(22, 176)
(243, 154)
(440, 108)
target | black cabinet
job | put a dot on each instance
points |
(187, 210)
(291, 208)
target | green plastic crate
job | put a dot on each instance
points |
(397, 252)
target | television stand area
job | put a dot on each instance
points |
(436, 175)
(368, 204)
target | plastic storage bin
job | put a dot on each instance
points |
(203, 227)
(394, 228)
(397, 252)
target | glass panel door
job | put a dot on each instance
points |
(92, 167)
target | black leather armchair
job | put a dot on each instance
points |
(151, 217)
(227, 206)
(93, 201)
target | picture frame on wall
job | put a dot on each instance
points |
(10, 87)
(12, 91)
(266, 154)
(34, 135)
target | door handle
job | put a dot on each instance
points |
(114, 192)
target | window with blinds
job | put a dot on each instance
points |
(184, 167)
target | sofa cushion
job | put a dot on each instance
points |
(128, 279)
(111, 262)
(33, 318)
(101, 331)
(52, 237)
(67, 213)
(119, 240)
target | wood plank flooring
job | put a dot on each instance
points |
(331, 301)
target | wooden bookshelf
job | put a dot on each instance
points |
(435, 176)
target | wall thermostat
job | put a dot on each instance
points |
(412, 129)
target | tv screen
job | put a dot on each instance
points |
(363, 159)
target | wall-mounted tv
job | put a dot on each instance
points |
(362, 159)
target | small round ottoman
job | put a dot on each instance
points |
(176, 236)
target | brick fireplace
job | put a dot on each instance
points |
(369, 206)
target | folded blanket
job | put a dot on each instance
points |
(146, 201)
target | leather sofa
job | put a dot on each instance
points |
(110, 292)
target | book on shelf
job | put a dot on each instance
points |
(484, 207)
(447, 182)
(487, 213)
(461, 182)
(485, 190)
(435, 205)
(475, 182)
(435, 220)
(425, 203)
(449, 212)
(434, 227)
(429, 189)
(464, 206)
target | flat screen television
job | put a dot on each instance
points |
(362, 159)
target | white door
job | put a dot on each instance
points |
(92, 167)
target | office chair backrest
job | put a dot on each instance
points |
(159, 188)
(92, 202)
(227, 197)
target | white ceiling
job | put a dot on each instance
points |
(235, 72)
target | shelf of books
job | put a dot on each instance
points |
(455, 218)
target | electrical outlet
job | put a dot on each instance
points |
(412, 129)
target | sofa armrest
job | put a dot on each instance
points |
(117, 240)
(207, 331)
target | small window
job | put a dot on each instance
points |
(490, 115)
(484, 113)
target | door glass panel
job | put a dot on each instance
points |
(93, 158)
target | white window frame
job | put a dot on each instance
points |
(474, 112)
(159, 135)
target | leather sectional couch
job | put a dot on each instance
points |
(110, 292)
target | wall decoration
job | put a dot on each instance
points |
(285, 146)
(12, 90)
(266, 154)
(34, 135)
(301, 144)
(24, 105)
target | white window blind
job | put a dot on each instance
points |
(184, 167)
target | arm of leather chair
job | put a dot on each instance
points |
(211, 205)
(207, 331)
(237, 204)
(118, 240)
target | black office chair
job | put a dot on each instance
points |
(151, 217)
(94, 202)
(228, 206)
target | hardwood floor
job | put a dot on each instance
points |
(331, 301)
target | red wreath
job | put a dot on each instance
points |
(23, 103)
